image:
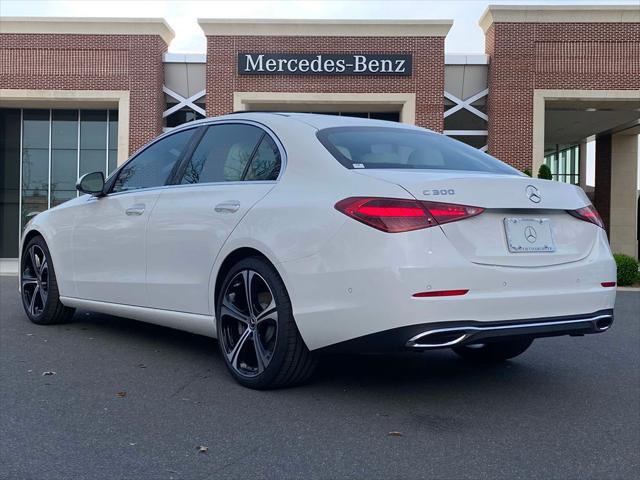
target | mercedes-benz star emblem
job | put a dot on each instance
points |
(533, 194)
(530, 234)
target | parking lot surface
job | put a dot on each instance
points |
(130, 400)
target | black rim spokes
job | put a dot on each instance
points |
(35, 280)
(249, 323)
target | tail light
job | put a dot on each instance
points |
(394, 215)
(588, 214)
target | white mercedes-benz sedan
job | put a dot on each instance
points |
(285, 235)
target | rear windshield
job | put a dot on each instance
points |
(387, 147)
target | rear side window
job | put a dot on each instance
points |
(152, 167)
(265, 164)
(232, 153)
(394, 148)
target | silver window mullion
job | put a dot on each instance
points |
(78, 155)
(20, 186)
(50, 140)
(106, 161)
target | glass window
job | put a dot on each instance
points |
(9, 181)
(464, 120)
(36, 129)
(222, 154)
(93, 141)
(476, 141)
(181, 116)
(388, 116)
(265, 164)
(51, 159)
(35, 164)
(387, 147)
(564, 164)
(35, 182)
(64, 155)
(152, 167)
(113, 141)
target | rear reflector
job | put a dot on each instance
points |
(441, 293)
(588, 214)
(394, 215)
(608, 284)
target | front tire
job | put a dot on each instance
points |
(39, 287)
(496, 351)
(257, 334)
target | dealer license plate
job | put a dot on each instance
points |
(526, 235)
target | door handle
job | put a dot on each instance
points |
(227, 207)
(137, 209)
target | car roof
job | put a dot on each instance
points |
(315, 120)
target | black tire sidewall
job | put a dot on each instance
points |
(285, 320)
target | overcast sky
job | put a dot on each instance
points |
(465, 36)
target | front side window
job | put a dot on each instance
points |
(232, 153)
(395, 148)
(152, 167)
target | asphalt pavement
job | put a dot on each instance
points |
(134, 401)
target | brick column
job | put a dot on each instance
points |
(602, 194)
(624, 204)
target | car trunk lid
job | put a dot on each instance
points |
(516, 210)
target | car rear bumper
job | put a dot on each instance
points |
(364, 282)
(429, 336)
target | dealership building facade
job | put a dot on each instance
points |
(80, 95)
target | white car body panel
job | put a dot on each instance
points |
(345, 279)
(200, 218)
(109, 247)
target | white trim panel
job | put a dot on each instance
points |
(324, 28)
(183, 102)
(406, 102)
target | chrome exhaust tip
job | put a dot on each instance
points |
(438, 338)
(603, 323)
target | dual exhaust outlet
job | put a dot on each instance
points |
(451, 336)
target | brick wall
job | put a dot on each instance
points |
(427, 80)
(528, 56)
(91, 62)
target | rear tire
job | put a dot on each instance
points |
(39, 287)
(257, 334)
(496, 351)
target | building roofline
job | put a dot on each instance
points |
(173, 57)
(466, 59)
(324, 28)
(558, 14)
(88, 26)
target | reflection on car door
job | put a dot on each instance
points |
(109, 234)
(233, 167)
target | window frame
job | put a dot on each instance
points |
(266, 131)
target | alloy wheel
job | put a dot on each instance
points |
(249, 323)
(35, 280)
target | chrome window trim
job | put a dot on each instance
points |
(189, 185)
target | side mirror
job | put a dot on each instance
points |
(92, 183)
